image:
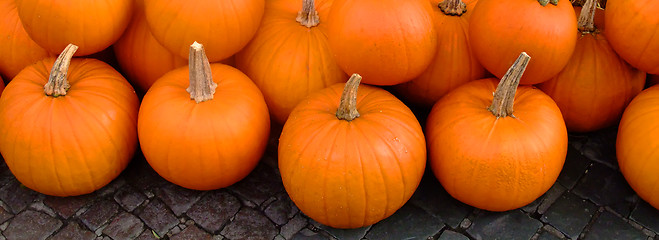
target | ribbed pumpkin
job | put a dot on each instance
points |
(203, 126)
(140, 56)
(16, 47)
(454, 63)
(388, 42)
(91, 25)
(351, 158)
(69, 133)
(637, 146)
(289, 57)
(223, 27)
(632, 27)
(496, 158)
(500, 29)
(594, 88)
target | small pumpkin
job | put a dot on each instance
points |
(631, 30)
(224, 27)
(637, 145)
(203, 126)
(594, 88)
(454, 63)
(546, 29)
(91, 25)
(388, 42)
(496, 158)
(351, 158)
(65, 129)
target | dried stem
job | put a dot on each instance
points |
(504, 96)
(58, 84)
(201, 86)
(453, 7)
(348, 105)
(308, 16)
(586, 21)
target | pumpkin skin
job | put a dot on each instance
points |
(207, 145)
(140, 56)
(631, 27)
(16, 47)
(454, 63)
(73, 144)
(349, 174)
(637, 144)
(491, 163)
(223, 27)
(653, 79)
(594, 88)
(388, 42)
(287, 60)
(500, 29)
(91, 25)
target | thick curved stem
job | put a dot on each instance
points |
(348, 105)
(58, 84)
(504, 96)
(586, 23)
(201, 86)
(308, 16)
(453, 7)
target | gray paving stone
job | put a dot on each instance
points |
(541, 204)
(111, 187)
(570, 214)
(293, 226)
(5, 215)
(74, 231)
(124, 226)
(606, 187)
(646, 215)
(192, 232)
(262, 183)
(549, 232)
(452, 235)
(431, 197)
(547, 236)
(31, 225)
(156, 215)
(342, 234)
(178, 199)
(281, 210)
(214, 210)
(409, 222)
(17, 196)
(99, 214)
(601, 146)
(129, 198)
(140, 175)
(250, 224)
(306, 234)
(147, 234)
(610, 226)
(574, 168)
(512, 224)
(67, 206)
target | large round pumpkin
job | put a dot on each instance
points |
(637, 146)
(203, 126)
(91, 25)
(223, 27)
(632, 27)
(69, 134)
(500, 29)
(289, 57)
(386, 41)
(490, 155)
(351, 158)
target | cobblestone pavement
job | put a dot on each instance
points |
(590, 200)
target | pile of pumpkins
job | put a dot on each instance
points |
(199, 83)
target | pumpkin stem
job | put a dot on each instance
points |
(308, 16)
(545, 2)
(586, 21)
(348, 105)
(504, 96)
(201, 86)
(453, 7)
(57, 84)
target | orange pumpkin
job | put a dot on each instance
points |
(75, 138)
(224, 27)
(496, 158)
(204, 126)
(16, 47)
(653, 79)
(386, 41)
(594, 88)
(140, 56)
(631, 30)
(91, 25)
(500, 29)
(350, 159)
(637, 146)
(454, 63)
(289, 57)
